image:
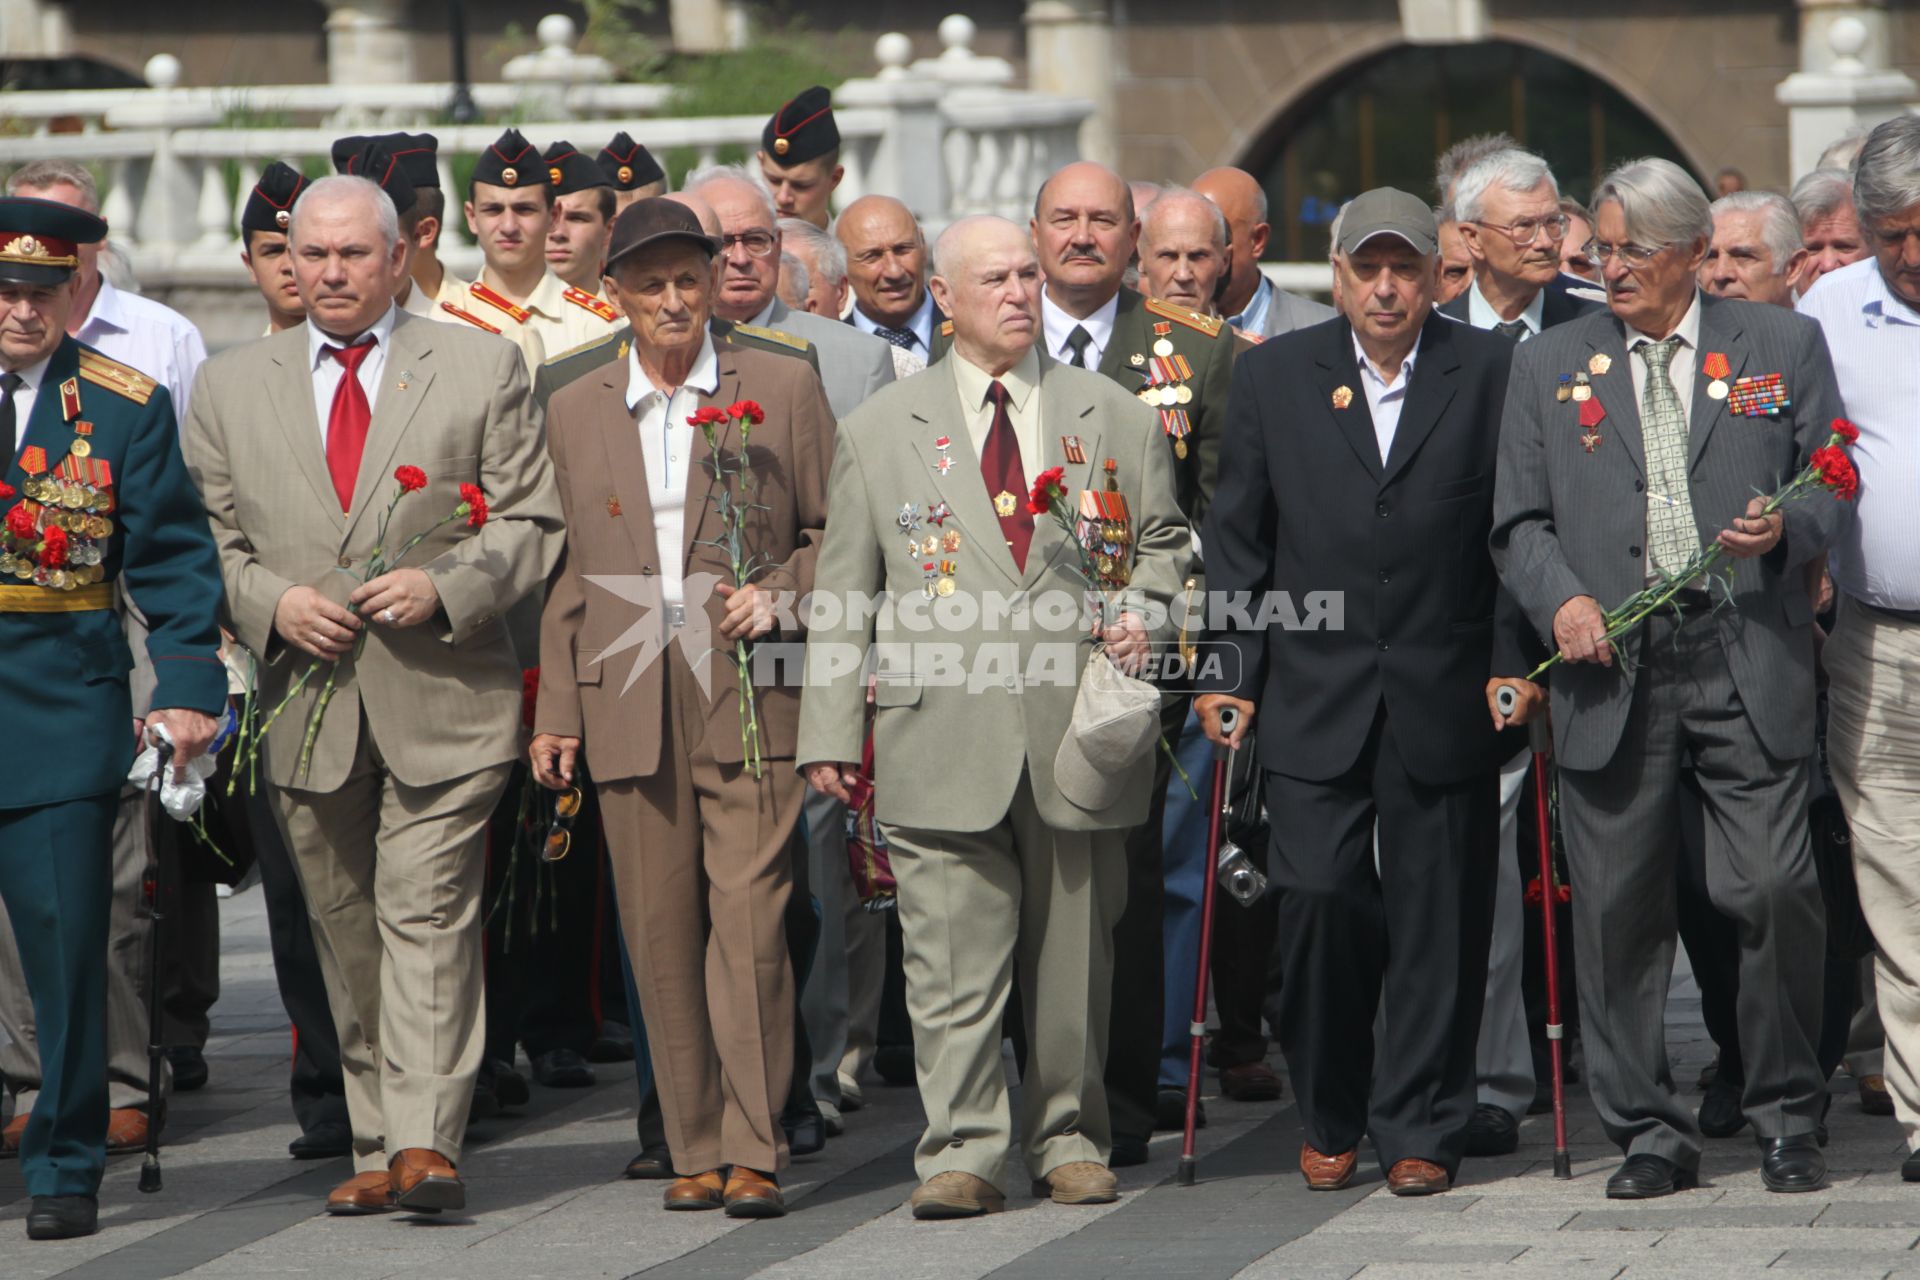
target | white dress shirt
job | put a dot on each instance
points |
(668, 447)
(920, 324)
(1481, 315)
(1023, 407)
(1385, 398)
(141, 333)
(23, 401)
(1685, 358)
(1875, 341)
(327, 370)
(1058, 326)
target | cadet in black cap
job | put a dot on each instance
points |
(800, 157)
(631, 171)
(583, 209)
(95, 492)
(263, 239)
(419, 156)
(376, 162)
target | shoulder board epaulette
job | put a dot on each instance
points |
(1247, 336)
(592, 344)
(468, 316)
(520, 314)
(106, 372)
(772, 335)
(1192, 319)
(586, 301)
(946, 328)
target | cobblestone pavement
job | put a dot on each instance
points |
(548, 1202)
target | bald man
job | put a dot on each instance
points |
(887, 267)
(1250, 302)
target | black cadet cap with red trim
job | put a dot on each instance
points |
(40, 239)
(802, 130)
(418, 154)
(568, 171)
(270, 204)
(628, 166)
(378, 165)
(511, 161)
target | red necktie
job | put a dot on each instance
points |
(347, 422)
(1000, 465)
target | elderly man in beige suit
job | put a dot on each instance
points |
(294, 441)
(1008, 861)
(636, 669)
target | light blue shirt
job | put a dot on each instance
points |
(920, 323)
(1254, 319)
(1874, 338)
(1481, 315)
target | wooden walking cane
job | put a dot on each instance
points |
(1222, 756)
(150, 883)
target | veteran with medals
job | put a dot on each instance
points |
(94, 493)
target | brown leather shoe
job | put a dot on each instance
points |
(701, 1191)
(1325, 1172)
(424, 1182)
(1417, 1178)
(753, 1194)
(955, 1194)
(1875, 1100)
(363, 1193)
(1250, 1082)
(11, 1135)
(1079, 1182)
(126, 1129)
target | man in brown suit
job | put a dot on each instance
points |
(292, 440)
(636, 650)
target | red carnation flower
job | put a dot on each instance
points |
(475, 502)
(1848, 433)
(6, 491)
(1836, 472)
(412, 479)
(1045, 489)
(748, 411)
(20, 523)
(53, 547)
(707, 416)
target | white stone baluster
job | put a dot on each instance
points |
(216, 209)
(118, 206)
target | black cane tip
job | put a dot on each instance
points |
(1183, 1174)
(150, 1175)
(1562, 1165)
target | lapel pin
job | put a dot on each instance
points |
(1342, 397)
(1071, 446)
(1600, 363)
(613, 506)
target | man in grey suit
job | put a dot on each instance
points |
(1250, 302)
(1008, 869)
(1598, 494)
(853, 365)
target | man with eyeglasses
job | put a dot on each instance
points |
(1508, 209)
(1621, 454)
(1870, 312)
(853, 365)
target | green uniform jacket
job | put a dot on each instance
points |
(64, 680)
(1207, 345)
(568, 366)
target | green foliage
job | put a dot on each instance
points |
(755, 80)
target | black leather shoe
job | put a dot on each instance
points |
(562, 1069)
(654, 1162)
(1794, 1164)
(1127, 1152)
(509, 1086)
(1170, 1112)
(1492, 1132)
(806, 1132)
(322, 1142)
(62, 1217)
(486, 1103)
(1649, 1177)
(1720, 1113)
(189, 1068)
(1910, 1168)
(894, 1063)
(613, 1044)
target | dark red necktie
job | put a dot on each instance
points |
(1006, 478)
(347, 422)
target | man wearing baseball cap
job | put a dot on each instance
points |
(1364, 451)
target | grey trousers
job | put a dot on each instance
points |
(841, 1002)
(1622, 824)
(1503, 1061)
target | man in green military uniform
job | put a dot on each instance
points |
(94, 493)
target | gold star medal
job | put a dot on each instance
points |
(1004, 504)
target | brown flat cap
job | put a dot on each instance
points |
(652, 220)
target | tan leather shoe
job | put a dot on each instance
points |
(1324, 1172)
(954, 1194)
(126, 1129)
(1079, 1182)
(753, 1194)
(11, 1135)
(701, 1191)
(1417, 1178)
(1874, 1098)
(363, 1193)
(424, 1182)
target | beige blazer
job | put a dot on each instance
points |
(948, 754)
(441, 699)
(601, 670)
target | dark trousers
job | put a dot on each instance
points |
(1243, 939)
(56, 878)
(1415, 933)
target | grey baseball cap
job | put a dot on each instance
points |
(1385, 211)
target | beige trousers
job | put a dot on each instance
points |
(393, 877)
(977, 908)
(1873, 750)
